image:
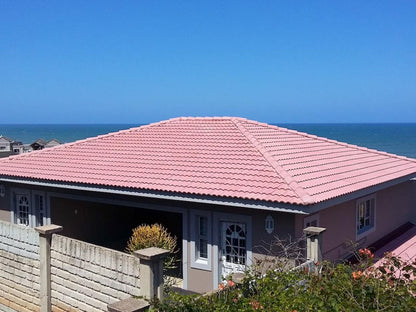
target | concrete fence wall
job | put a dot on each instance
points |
(88, 277)
(84, 277)
(19, 267)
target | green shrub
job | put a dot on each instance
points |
(154, 235)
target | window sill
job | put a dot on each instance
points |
(362, 234)
(201, 264)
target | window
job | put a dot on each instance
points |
(201, 240)
(202, 244)
(365, 216)
(22, 209)
(29, 208)
(39, 208)
(269, 224)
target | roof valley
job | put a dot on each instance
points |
(301, 192)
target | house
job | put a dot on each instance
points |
(41, 144)
(5, 144)
(9, 147)
(225, 186)
(52, 143)
(38, 144)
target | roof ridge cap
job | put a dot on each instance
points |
(303, 195)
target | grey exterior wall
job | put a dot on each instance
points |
(201, 280)
(5, 214)
(394, 207)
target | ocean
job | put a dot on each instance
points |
(396, 138)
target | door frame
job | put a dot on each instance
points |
(229, 217)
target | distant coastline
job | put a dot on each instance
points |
(397, 138)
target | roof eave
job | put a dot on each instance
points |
(216, 200)
(204, 199)
(360, 193)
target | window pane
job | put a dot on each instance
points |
(365, 215)
(203, 251)
(39, 209)
(202, 241)
(203, 226)
(22, 210)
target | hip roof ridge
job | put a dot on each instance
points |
(305, 198)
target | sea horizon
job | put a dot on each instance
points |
(392, 137)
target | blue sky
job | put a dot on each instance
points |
(145, 61)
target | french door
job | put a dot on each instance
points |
(30, 208)
(233, 247)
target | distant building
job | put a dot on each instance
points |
(5, 144)
(21, 148)
(41, 144)
(10, 147)
(38, 144)
(52, 143)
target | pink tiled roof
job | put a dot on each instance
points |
(403, 246)
(219, 156)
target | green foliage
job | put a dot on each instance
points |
(154, 235)
(343, 287)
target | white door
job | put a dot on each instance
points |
(233, 248)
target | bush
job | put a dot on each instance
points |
(388, 286)
(154, 235)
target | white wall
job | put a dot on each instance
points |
(19, 267)
(84, 277)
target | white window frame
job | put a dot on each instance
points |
(360, 233)
(16, 218)
(33, 213)
(198, 262)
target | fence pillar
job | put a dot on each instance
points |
(314, 243)
(45, 238)
(151, 271)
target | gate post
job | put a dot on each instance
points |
(151, 271)
(45, 239)
(314, 243)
